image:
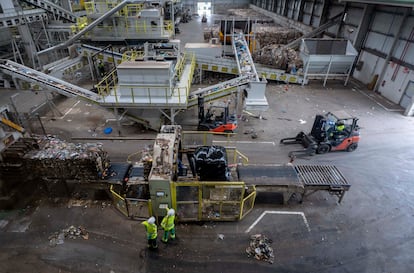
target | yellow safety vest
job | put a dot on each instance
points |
(167, 222)
(340, 128)
(151, 230)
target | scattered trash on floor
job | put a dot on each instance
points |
(254, 115)
(288, 119)
(260, 248)
(71, 232)
(220, 236)
(302, 121)
(251, 132)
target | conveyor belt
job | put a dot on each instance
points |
(289, 179)
(28, 74)
(275, 178)
(53, 8)
(217, 91)
(244, 59)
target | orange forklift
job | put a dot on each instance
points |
(217, 119)
(329, 133)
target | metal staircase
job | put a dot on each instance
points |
(56, 10)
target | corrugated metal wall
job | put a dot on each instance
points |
(384, 35)
(218, 6)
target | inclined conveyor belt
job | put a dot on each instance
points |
(28, 74)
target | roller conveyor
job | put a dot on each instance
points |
(291, 180)
(323, 177)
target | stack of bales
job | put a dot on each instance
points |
(57, 159)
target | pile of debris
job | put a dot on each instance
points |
(248, 13)
(276, 56)
(260, 248)
(267, 34)
(71, 232)
(58, 159)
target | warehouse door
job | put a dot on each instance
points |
(204, 8)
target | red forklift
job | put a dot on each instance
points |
(217, 119)
(329, 133)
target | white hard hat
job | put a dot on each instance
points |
(171, 212)
(151, 220)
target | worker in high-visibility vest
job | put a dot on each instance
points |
(168, 225)
(101, 69)
(151, 229)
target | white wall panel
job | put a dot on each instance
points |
(393, 90)
(379, 42)
(408, 56)
(386, 23)
(372, 65)
(408, 27)
(335, 10)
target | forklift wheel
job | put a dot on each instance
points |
(352, 147)
(323, 149)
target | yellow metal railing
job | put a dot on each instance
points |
(213, 201)
(90, 7)
(131, 55)
(107, 83)
(236, 157)
(169, 27)
(248, 202)
(179, 67)
(131, 10)
(119, 201)
(193, 63)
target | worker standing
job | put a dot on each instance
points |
(168, 225)
(101, 69)
(151, 229)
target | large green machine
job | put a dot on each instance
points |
(177, 179)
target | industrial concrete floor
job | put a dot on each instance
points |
(370, 231)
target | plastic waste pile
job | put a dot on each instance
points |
(211, 163)
(260, 248)
(71, 232)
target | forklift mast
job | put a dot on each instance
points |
(319, 128)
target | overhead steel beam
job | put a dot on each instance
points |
(400, 3)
